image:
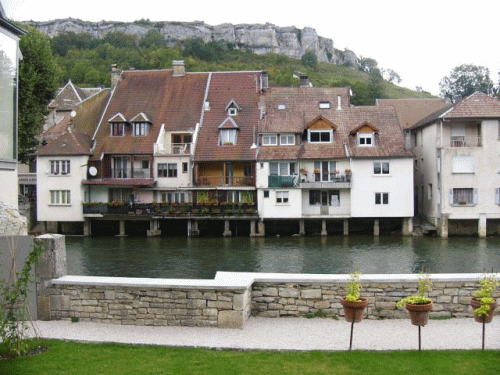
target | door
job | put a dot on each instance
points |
(229, 174)
(324, 203)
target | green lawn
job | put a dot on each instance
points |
(70, 358)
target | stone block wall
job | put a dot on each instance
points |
(108, 302)
(291, 299)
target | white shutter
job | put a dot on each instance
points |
(476, 198)
(451, 197)
(497, 195)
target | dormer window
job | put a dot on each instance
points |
(281, 106)
(269, 139)
(320, 136)
(366, 139)
(320, 130)
(233, 108)
(117, 129)
(228, 132)
(140, 129)
(324, 105)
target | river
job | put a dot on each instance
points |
(201, 258)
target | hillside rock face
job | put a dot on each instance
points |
(259, 38)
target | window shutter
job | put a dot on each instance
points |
(451, 197)
(476, 198)
(497, 195)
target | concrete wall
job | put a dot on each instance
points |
(10, 191)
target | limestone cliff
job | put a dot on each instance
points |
(261, 38)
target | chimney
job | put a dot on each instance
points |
(115, 76)
(304, 80)
(179, 68)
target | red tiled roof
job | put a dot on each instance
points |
(121, 181)
(242, 88)
(410, 111)
(175, 102)
(68, 143)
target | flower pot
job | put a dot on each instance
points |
(475, 303)
(354, 311)
(419, 313)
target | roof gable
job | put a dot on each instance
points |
(365, 127)
(229, 123)
(140, 117)
(232, 104)
(321, 123)
(118, 118)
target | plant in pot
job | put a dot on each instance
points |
(418, 305)
(483, 302)
(354, 305)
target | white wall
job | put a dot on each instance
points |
(268, 208)
(71, 182)
(182, 180)
(398, 183)
(9, 187)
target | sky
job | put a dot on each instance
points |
(421, 41)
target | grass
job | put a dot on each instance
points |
(71, 358)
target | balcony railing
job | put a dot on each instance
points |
(340, 181)
(283, 181)
(172, 149)
(225, 181)
(462, 141)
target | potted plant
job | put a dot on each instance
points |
(348, 172)
(418, 305)
(483, 302)
(303, 171)
(354, 305)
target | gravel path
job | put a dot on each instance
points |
(289, 334)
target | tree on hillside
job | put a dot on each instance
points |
(464, 80)
(38, 80)
(367, 64)
(309, 59)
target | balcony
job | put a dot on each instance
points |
(339, 182)
(172, 149)
(463, 141)
(283, 181)
(212, 181)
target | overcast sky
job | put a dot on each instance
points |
(422, 41)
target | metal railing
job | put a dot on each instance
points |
(172, 149)
(463, 141)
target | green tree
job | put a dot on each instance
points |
(367, 64)
(464, 80)
(38, 81)
(153, 38)
(309, 59)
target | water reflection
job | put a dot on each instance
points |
(182, 257)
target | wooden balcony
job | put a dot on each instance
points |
(217, 181)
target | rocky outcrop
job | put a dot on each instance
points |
(11, 221)
(260, 38)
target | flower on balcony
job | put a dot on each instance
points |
(335, 172)
(347, 171)
(316, 170)
(116, 203)
(303, 171)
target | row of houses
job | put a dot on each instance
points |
(164, 147)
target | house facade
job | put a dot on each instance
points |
(457, 166)
(321, 159)
(9, 70)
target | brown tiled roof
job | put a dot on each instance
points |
(68, 143)
(69, 96)
(303, 104)
(476, 106)
(242, 87)
(410, 111)
(89, 112)
(175, 102)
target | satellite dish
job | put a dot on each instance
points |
(93, 171)
(72, 114)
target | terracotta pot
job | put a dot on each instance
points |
(419, 313)
(354, 311)
(475, 303)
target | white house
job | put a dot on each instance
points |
(457, 166)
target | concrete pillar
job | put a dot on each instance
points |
(51, 265)
(443, 226)
(227, 229)
(193, 229)
(346, 227)
(262, 228)
(122, 229)
(87, 227)
(481, 229)
(154, 228)
(323, 228)
(407, 227)
(302, 230)
(252, 228)
(376, 227)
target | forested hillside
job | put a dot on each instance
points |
(87, 61)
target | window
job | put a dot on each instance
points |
(282, 169)
(287, 140)
(62, 167)
(281, 106)
(145, 164)
(429, 191)
(269, 140)
(184, 167)
(266, 193)
(227, 137)
(320, 136)
(325, 171)
(463, 196)
(381, 167)
(167, 170)
(233, 196)
(324, 197)
(463, 164)
(174, 197)
(365, 139)
(61, 197)
(324, 105)
(282, 197)
(120, 167)
(381, 198)
(117, 129)
(140, 129)
(232, 111)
